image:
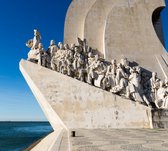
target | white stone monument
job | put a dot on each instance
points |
(67, 82)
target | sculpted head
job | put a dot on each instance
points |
(119, 65)
(40, 46)
(124, 61)
(132, 70)
(154, 74)
(166, 81)
(76, 49)
(138, 69)
(66, 46)
(113, 61)
(102, 64)
(60, 45)
(36, 32)
(72, 46)
(96, 57)
(89, 54)
(52, 42)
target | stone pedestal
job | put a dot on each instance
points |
(160, 118)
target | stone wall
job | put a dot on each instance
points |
(160, 118)
(70, 103)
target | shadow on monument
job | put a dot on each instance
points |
(157, 23)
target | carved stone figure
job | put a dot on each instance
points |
(121, 87)
(92, 75)
(52, 49)
(36, 39)
(134, 85)
(101, 70)
(125, 65)
(162, 96)
(72, 47)
(35, 53)
(120, 73)
(111, 73)
(154, 86)
(166, 83)
(81, 75)
(90, 58)
(58, 58)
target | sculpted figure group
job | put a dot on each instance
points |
(85, 64)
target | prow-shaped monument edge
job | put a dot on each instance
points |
(69, 103)
(32, 79)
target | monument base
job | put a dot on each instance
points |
(70, 103)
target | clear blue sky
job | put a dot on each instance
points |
(18, 19)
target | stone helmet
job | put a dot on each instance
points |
(36, 32)
(166, 81)
(60, 45)
(96, 56)
(52, 42)
(119, 65)
(154, 74)
(113, 61)
(66, 46)
(40, 45)
(72, 46)
(90, 55)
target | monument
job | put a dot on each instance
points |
(110, 72)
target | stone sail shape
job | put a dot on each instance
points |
(69, 103)
(75, 19)
(96, 22)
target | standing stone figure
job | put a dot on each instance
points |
(120, 74)
(52, 49)
(42, 56)
(154, 86)
(134, 85)
(111, 73)
(34, 53)
(36, 39)
(162, 96)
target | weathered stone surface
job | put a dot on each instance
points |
(51, 115)
(96, 21)
(120, 140)
(80, 105)
(51, 142)
(160, 118)
(75, 18)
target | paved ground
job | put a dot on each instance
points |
(120, 140)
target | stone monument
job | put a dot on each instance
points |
(110, 72)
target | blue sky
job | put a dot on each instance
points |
(165, 24)
(18, 19)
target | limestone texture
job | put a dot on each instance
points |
(68, 103)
